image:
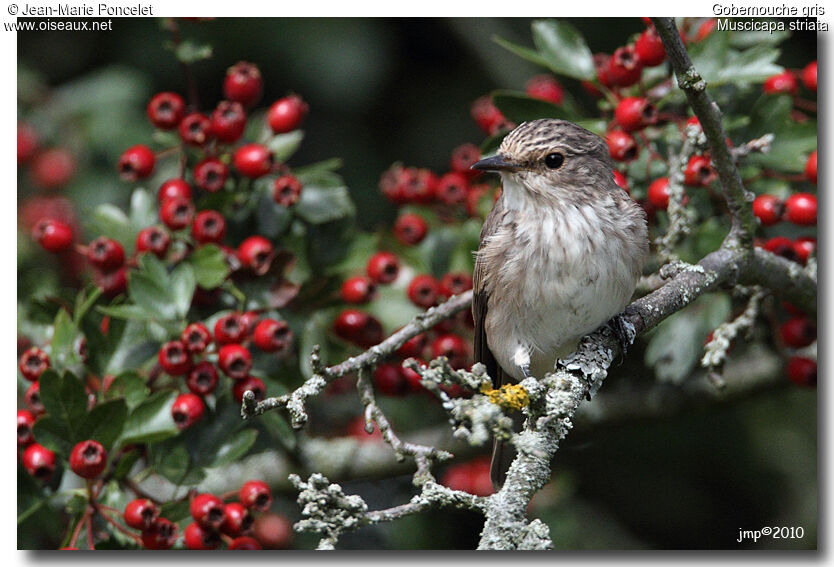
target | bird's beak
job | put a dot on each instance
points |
(494, 163)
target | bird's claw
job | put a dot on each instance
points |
(623, 331)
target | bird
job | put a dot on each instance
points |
(560, 254)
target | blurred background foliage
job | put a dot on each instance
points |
(386, 90)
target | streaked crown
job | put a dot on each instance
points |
(530, 141)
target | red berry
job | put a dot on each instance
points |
(252, 160)
(453, 347)
(423, 290)
(273, 531)
(545, 87)
(286, 114)
(113, 283)
(699, 171)
(413, 378)
(153, 239)
(174, 358)
(809, 76)
(487, 116)
(650, 48)
(781, 246)
(165, 110)
(25, 421)
(658, 193)
(389, 380)
(410, 229)
(243, 83)
(383, 267)
(198, 538)
(39, 461)
(208, 511)
(454, 283)
(174, 189)
(228, 121)
(768, 208)
(255, 253)
(32, 397)
(202, 380)
(451, 188)
(635, 113)
(415, 186)
(801, 208)
(27, 142)
(229, 329)
(162, 535)
(463, 157)
(358, 289)
(624, 67)
(238, 519)
(621, 181)
(209, 227)
(53, 235)
(602, 64)
(33, 363)
(811, 168)
(802, 371)
(137, 162)
(141, 514)
(286, 190)
(196, 337)
(235, 360)
(256, 385)
(472, 477)
(244, 543)
(105, 254)
(272, 336)
(210, 175)
(705, 29)
(622, 146)
(799, 332)
(176, 213)
(88, 459)
(187, 410)
(804, 247)
(255, 494)
(195, 129)
(52, 169)
(781, 83)
(413, 347)
(358, 327)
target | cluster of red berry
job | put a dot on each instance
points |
(227, 348)
(32, 363)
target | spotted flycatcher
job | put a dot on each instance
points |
(560, 253)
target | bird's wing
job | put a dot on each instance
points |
(480, 299)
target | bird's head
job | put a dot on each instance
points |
(551, 155)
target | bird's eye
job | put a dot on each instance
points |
(554, 160)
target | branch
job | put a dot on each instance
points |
(294, 401)
(709, 115)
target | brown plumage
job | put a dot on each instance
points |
(560, 253)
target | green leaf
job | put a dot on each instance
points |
(314, 333)
(283, 146)
(104, 423)
(52, 434)
(678, 342)
(64, 399)
(331, 164)
(142, 209)
(183, 284)
(273, 219)
(279, 429)
(130, 387)
(63, 353)
(209, 265)
(564, 49)
(318, 205)
(110, 220)
(519, 107)
(234, 447)
(524, 52)
(189, 52)
(718, 63)
(151, 295)
(128, 311)
(792, 141)
(84, 301)
(173, 462)
(151, 421)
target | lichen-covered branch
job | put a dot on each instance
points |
(709, 115)
(294, 402)
(680, 218)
